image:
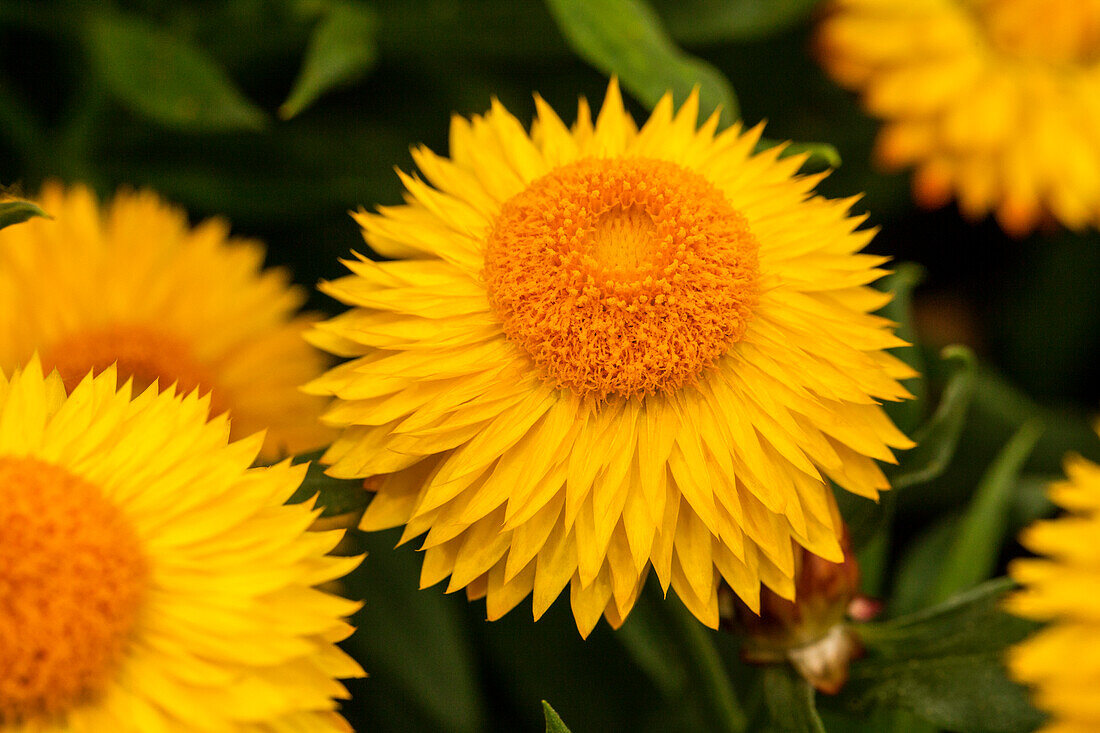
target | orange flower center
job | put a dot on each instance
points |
(1053, 31)
(72, 576)
(622, 276)
(141, 353)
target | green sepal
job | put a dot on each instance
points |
(18, 211)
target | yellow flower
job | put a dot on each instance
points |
(149, 579)
(996, 102)
(1063, 660)
(136, 285)
(607, 348)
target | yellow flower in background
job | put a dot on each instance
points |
(1062, 662)
(134, 283)
(149, 580)
(995, 102)
(604, 348)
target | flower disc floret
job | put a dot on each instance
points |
(140, 353)
(72, 576)
(622, 276)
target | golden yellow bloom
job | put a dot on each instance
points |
(136, 285)
(1063, 660)
(149, 579)
(606, 348)
(996, 102)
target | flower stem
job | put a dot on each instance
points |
(705, 666)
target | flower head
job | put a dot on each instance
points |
(135, 285)
(995, 102)
(149, 579)
(602, 349)
(1063, 660)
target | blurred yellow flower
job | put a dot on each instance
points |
(151, 581)
(996, 102)
(136, 285)
(1062, 662)
(604, 348)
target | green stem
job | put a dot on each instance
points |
(705, 666)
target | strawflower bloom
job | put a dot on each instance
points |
(149, 579)
(995, 102)
(135, 284)
(1062, 661)
(602, 349)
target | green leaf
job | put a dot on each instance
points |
(337, 496)
(873, 554)
(790, 701)
(653, 650)
(414, 643)
(554, 723)
(17, 212)
(919, 567)
(708, 21)
(973, 553)
(341, 50)
(879, 720)
(625, 38)
(938, 438)
(165, 79)
(945, 665)
(1030, 499)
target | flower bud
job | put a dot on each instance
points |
(811, 631)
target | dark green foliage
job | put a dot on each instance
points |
(945, 665)
(283, 115)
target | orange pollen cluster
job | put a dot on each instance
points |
(1041, 30)
(622, 276)
(72, 576)
(141, 353)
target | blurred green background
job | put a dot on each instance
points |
(283, 115)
